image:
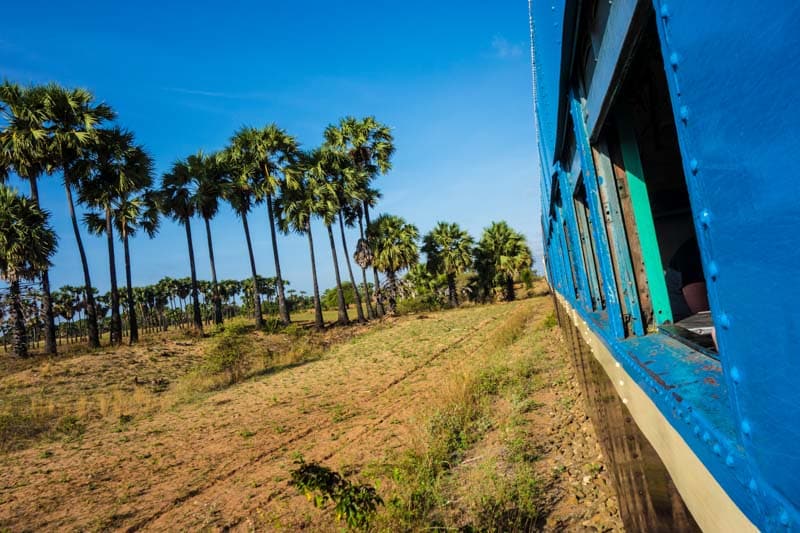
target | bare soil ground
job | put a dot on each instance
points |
(150, 456)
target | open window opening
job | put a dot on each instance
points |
(589, 246)
(641, 141)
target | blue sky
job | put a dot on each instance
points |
(452, 79)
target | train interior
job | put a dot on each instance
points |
(643, 106)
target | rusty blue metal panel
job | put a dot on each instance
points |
(733, 71)
(598, 226)
(567, 213)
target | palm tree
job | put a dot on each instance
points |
(268, 152)
(175, 201)
(119, 168)
(242, 196)
(363, 254)
(370, 145)
(73, 119)
(324, 166)
(210, 182)
(24, 148)
(27, 242)
(134, 212)
(395, 249)
(347, 183)
(294, 209)
(501, 255)
(449, 252)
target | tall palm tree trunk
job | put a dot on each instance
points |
(392, 277)
(115, 333)
(451, 289)
(509, 288)
(256, 297)
(133, 324)
(19, 337)
(197, 319)
(359, 310)
(283, 310)
(378, 304)
(343, 318)
(47, 301)
(371, 313)
(319, 323)
(91, 310)
(214, 286)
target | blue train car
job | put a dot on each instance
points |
(668, 141)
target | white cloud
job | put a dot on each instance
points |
(503, 48)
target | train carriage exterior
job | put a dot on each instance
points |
(668, 142)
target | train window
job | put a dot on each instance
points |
(589, 245)
(640, 139)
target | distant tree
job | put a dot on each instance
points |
(323, 168)
(267, 153)
(24, 148)
(242, 194)
(74, 119)
(370, 145)
(449, 252)
(132, 213)
(294, 210)
(118, 168)
(395, 249)
(501, 255)
(210, 184)
(27, 242)
(175, 201)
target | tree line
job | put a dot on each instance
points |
(49, 130)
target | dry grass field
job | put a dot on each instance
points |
(467, 418)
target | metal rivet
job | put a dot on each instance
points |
(688, 419)
(746, 429)
(684, 114)
(693, 165)
(664, 12)
(679, 413)
(752, 485)
(717, 449)
(697, 430)
(736, 376)
(724, 321)
(706, 437)
(713, 270)
(784, 518)
(673, 60)
(705, 218)
(729, 460)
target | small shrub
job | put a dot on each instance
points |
(70, 426)
(228, 353)
(355, 504)
(294, 331)
(272, 324)
(418, 305)
(550, 321)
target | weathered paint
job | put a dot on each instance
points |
(595, 212)
(644, 222)
(732, 70)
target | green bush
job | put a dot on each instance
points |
(354, 503)
(419, 305)
(228, 352)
